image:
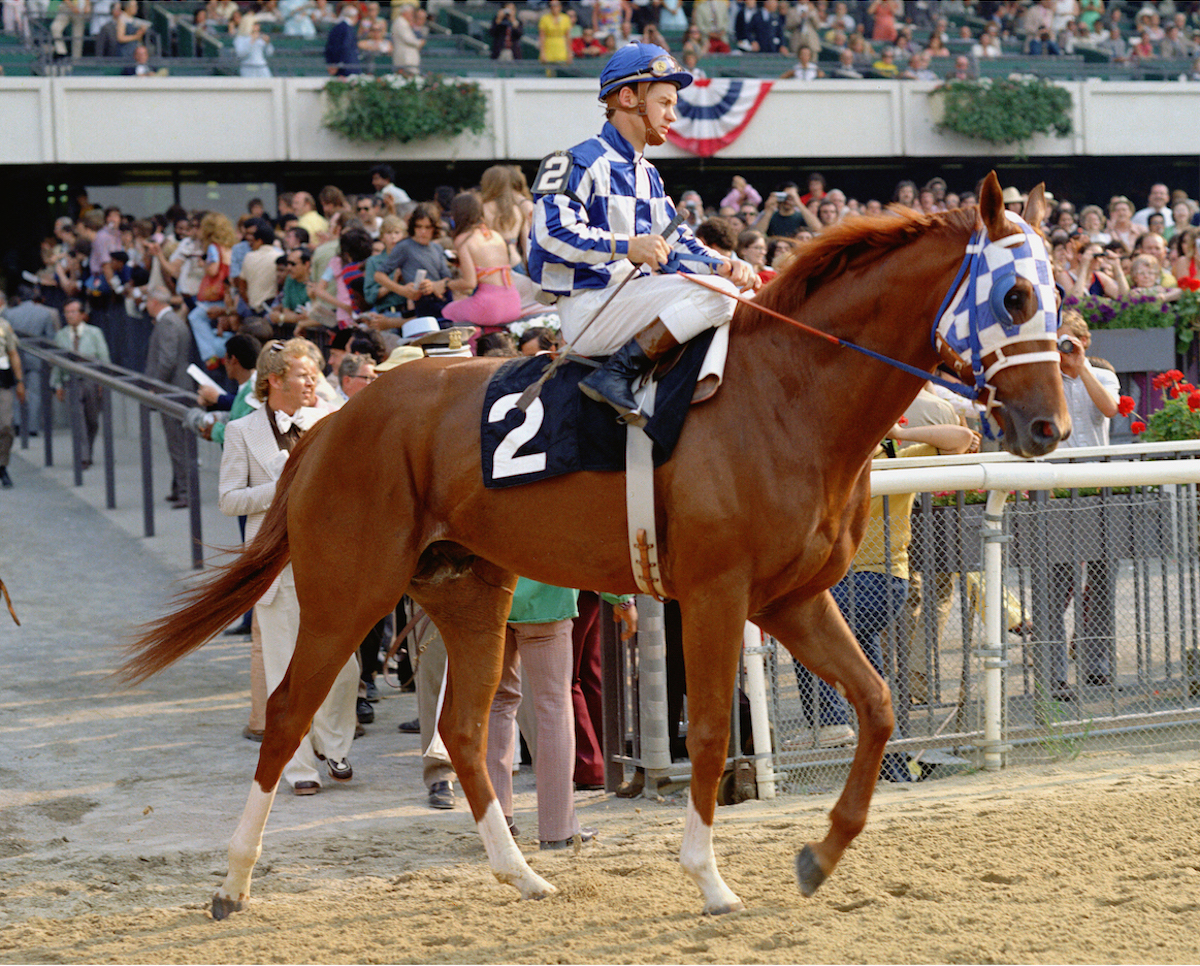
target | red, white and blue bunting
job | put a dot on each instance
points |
(713, 112)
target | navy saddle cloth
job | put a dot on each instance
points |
(564, 431)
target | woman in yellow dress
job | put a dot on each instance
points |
(554, 31)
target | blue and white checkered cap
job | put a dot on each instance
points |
(641, 62)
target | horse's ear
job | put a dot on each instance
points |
(1035, 206)
(991, 208)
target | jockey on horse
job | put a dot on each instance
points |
(601, 213)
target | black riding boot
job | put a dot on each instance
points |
(613, 382)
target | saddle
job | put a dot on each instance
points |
(563, 431)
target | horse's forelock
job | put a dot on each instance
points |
(856, 241)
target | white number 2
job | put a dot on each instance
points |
(505, 462)
(552, 175)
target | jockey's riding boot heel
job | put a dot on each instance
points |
(613, 382)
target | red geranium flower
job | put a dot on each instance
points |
(1125, 405)
(1194, 401)
(1190, 284)
(1174, 392)
(903, 421)
(1174, 375)
(1137, 427)
(1160, 381)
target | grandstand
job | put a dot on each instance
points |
(459, 46)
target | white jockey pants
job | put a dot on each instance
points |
(684, 307)
(332, 730)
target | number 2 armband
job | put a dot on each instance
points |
(554, 175)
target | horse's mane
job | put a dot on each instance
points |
(855, 242)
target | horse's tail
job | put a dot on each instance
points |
(206, 609)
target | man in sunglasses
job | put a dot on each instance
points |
(368, 208)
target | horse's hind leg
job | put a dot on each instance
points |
(471, 611)
(332, 623)
(712, 638)
(816, 634)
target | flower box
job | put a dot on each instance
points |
(1135, 350)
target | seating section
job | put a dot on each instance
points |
(459, 45)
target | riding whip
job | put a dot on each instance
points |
(534, 390)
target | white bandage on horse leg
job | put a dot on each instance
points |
(246, 845)
(507, 862)
(697, 858)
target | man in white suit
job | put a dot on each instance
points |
(256, 449)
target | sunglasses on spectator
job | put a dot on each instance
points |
(364, 207)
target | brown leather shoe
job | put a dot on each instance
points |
(306, 788)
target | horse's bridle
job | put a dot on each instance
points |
(973, 350)
(974, 333)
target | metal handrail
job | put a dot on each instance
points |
(151, 395)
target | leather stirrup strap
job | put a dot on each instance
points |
(656, 340)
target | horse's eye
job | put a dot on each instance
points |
(1013, 301)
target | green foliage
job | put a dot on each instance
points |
(1063, 740)
(399, 109)
(1005, 111)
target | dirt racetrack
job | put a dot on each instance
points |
(116, 808)
(1093, 862)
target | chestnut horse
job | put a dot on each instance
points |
(759, 513)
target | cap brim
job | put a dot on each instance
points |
(680, 79)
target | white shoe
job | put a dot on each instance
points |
(834, 736)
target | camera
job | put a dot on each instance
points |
(1066, 346)
(780, 195)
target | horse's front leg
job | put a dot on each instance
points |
(244, 850)
(816, 634)
(712, 642)
(471, 612)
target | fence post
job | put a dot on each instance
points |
(760, 723)
(652, 691)
(110, 460)
(47, 391)
(994, 650)
(78, 430)
(147, 473)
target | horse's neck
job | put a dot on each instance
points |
(837, 402)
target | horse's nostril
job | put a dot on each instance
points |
(1047, 428)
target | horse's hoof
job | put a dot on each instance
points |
(222, 906)
(734, 905)
(809, 874)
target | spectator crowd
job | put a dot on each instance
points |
(916, 39)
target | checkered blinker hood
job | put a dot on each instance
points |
(975, 328)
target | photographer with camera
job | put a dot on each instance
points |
(506, 33)
(1091, 269)
(783, 214)
(1092, 394)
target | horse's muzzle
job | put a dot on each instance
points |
(1032, 436)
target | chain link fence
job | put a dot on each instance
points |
(1099, 650)
(1101, 631)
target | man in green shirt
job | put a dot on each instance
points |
(290, 307)
(539, 636)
